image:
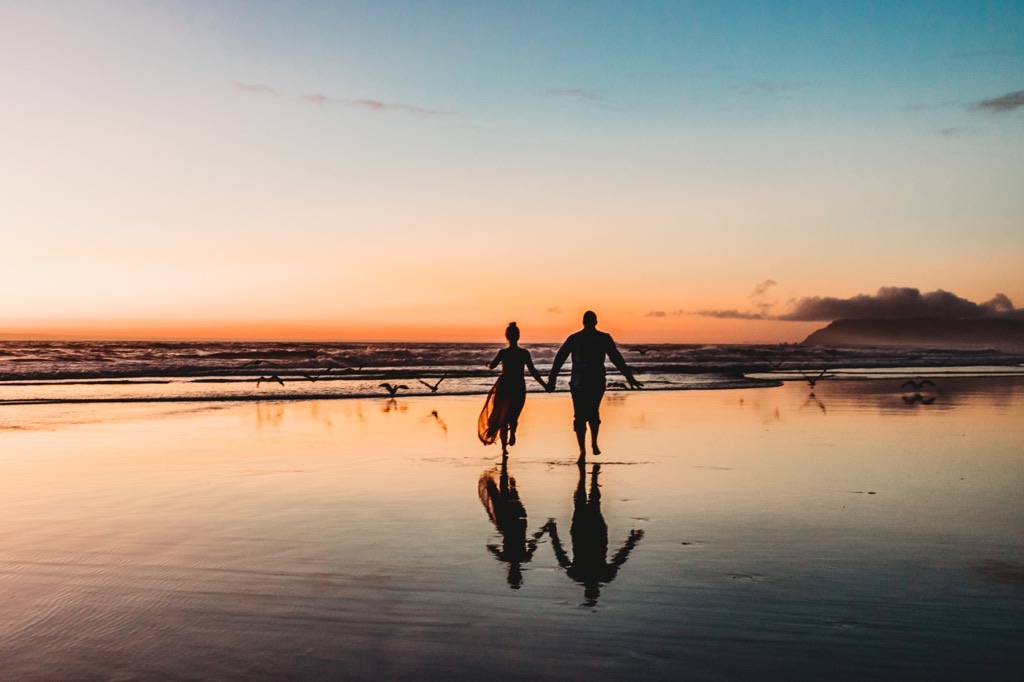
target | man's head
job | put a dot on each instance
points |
(590, 319)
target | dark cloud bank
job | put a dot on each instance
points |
(902, 316)
(890, 303)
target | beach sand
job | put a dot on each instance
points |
(858, 532)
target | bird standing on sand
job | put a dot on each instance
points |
(392, 390)
(432, 387)
(272, 377)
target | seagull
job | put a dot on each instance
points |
(642, 350)
(251, 363)
(314, 377)
(392, 390)
(432, 387)
(813, 380)
(776, 365)
(272, 377)
(917, 385)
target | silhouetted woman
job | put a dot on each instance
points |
(506, 511)
(508, 395)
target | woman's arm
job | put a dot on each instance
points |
(533, 371)
(496, 360)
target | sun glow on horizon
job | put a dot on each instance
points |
(259, 171)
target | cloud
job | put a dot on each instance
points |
(252, 87)
(321, 100)
(317, 100)
(373, 105)
(895, 303)
(656, 313)
(555, 310)
(950, 132)
(1007, 102)
(762, 288)
(579, 94)
(730, 314)
(888, 303)
(772, 87)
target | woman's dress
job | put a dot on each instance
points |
(507, 396)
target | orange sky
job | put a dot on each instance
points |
(395, 172)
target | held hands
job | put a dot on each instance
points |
(550, 386)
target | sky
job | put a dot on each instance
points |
(692, 171)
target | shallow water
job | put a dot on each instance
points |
(857, 532)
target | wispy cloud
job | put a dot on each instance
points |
(888, 303)
(1008, 102)
(554, 311)
(773, 87)
(730, 314)
(578, 94)
(656, 313)
(376, 106)
(321, 100)
(950, 132)
(259, 88)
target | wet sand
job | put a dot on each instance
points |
(859, 532)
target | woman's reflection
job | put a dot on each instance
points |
(501, 500)
(589, 565)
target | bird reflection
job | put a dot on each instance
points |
(811, 398)
(506, 511)
(589, 565)
(920, 392)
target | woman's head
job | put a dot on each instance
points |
(512, 332)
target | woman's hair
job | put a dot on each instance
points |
(512, 331)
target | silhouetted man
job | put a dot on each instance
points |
(589, 565)
(588, 348)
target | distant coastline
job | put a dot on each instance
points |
(1002, 334)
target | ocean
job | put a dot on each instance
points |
(136, 371)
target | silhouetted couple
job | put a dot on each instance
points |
(588, 349)
(589, 565)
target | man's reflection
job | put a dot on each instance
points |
(501, 500)
(589, 565)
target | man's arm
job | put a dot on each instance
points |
(620, 363)
(559, 360)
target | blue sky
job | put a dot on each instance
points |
(247, 161)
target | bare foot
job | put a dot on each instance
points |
(582, 458)
(596, 450)
(512, 439)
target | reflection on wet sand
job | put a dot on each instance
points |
(506, 511)
(589, 565)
